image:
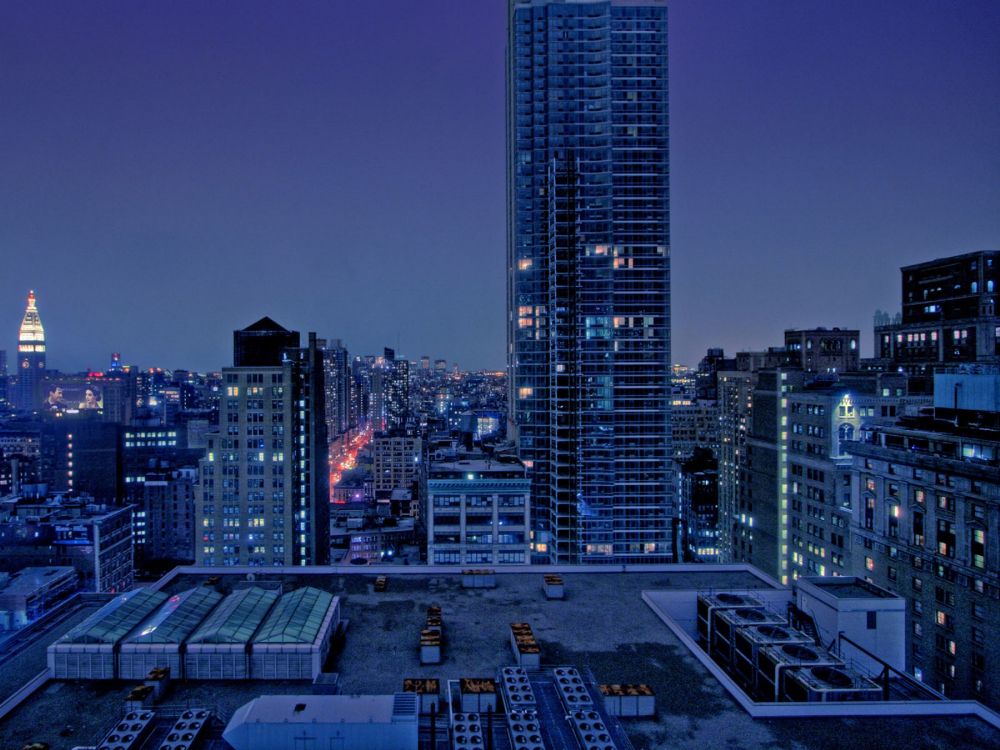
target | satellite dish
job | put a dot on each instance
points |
(251, 577)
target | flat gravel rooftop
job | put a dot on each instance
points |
(602, 624)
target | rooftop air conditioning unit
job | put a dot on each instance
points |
(516, 688)
(524, 729)
(826, 684)
(747, 642)
(774, 661)
(467, 733)
(572, 690)
(709, 603)
(725, 623)
(591, 732)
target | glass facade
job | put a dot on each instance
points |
(589, 275)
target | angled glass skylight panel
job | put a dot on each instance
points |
(237, 618)
(117, 618)
(178, 618)
(297, 618)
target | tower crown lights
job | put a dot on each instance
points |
(32, 332)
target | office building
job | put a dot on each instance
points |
(478, 512)
(3, 379)
(89, 458)
(949, 315)
(30, 358)
(695, 425)
(735, 407)
(707, 375)
(362, 373)
(121, 395)
(264, 496)
(45, 530)
(822, 420)
(262, 344)
(30, 592)
(589, 276)
(398, 463)
(926, 511)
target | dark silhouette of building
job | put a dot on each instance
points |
(261, 344)
(949, 315)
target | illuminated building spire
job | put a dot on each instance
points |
(32, 333)
(30, 356)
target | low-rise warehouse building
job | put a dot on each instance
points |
(88, 651)
(198, 634)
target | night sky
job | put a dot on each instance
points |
(171, 171)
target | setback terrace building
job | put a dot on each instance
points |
(926, 513)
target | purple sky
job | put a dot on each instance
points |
(171, 171)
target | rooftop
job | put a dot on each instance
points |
(460, 467)
(948, 260)
(265, 324)
(602, 624)
(27, 580)
(851, 588)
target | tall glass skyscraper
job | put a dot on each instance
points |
(589, 275)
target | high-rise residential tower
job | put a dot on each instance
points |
(390, 392)
(30, 357)
(589, 275)
(337, 382)
(264, 490)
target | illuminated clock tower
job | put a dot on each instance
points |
(30, 358)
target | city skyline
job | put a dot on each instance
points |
(892, 161)
(500, 373)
